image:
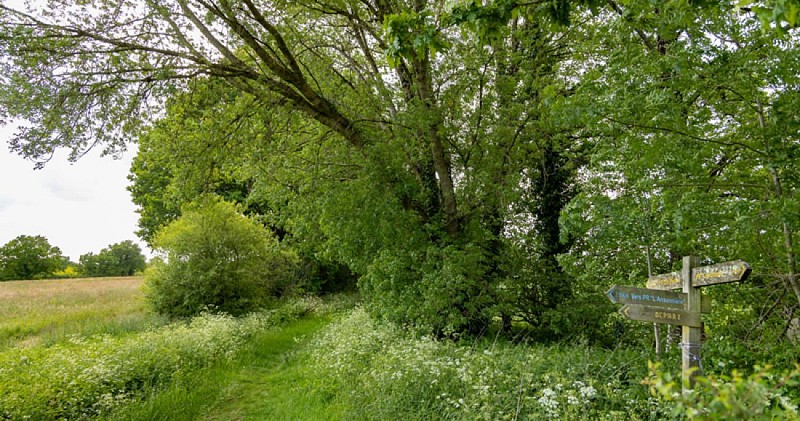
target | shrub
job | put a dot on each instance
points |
(71, 271)
(215, 258)
(762, 395)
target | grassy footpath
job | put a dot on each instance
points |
(273, 382)
(267, 381)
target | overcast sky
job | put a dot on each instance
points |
(80, 208)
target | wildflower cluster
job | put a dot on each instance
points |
(396, 375)
(88, 376)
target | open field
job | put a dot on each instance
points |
(45, 311)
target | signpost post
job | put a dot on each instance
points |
(660, 304)
(690, 346)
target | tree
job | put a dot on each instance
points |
(413, 142)
(29, 257)
(695, 153)
(121, 259)
(402, 166)
(214, 258)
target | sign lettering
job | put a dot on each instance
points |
(661, 315)
(722, 273)
(619, 294)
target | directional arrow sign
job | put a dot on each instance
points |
(722, 273)
(665, 281)
(661, 315)
(619, 294)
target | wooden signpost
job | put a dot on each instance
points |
(658, 303)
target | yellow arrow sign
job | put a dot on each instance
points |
(722, 273)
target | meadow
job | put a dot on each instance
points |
(44, 312)
(94, 351)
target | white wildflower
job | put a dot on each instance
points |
(588, 392)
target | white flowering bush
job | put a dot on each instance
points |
(382, 372)
(85, 377)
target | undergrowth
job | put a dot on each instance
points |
(378, 371)
(88, 376)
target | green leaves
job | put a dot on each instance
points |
(412, 35)
(215, 259)
(29, 257)
(121, 259)
(779, 14)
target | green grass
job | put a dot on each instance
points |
(268, 380)
(274, 382)
(45, 312)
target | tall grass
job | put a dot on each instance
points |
(47, 311)
(381, 372)
(377, 371)
(87, 377)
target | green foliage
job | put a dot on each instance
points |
(429, 162)
(215, 258)
(29, 257)
(763, 395)
(780, 15)
(411, 36)
(121, 259)
(691, 156)
(187, 154)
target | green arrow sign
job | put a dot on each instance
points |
(661, 315)
(619, 294)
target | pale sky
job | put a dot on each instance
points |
(80, 208)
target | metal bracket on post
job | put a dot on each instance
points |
(690, 346)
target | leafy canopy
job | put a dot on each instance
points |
(29, 257)
(120, 259)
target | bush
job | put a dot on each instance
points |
(762, 395)
(69, 272)
(214, 258)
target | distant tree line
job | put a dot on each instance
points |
(33, 257)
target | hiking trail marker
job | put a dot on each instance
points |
(658, 303)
